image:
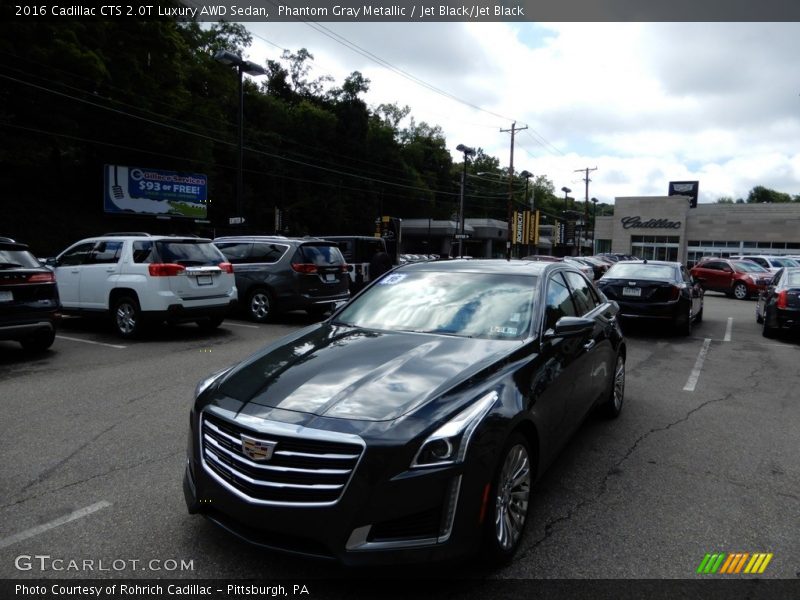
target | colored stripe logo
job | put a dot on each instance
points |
(734, 563)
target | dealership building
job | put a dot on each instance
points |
(669, 228)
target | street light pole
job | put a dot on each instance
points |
(230, 59)
(594, 225)
(527, 175)
(566, 191)
(467, 153)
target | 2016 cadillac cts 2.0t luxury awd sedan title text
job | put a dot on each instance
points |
(412, 423)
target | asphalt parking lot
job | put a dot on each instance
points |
(703, 459)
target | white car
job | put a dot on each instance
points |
(771, 263)
(140, 278)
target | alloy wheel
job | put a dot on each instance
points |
(513, 495)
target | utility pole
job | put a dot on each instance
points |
(510, 211)
(585, 202)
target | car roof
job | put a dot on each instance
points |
(668, 263)
(490, 265)
(272, 238)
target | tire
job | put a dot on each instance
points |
(510, 500)
(740, 291)
(126, 317)
(39, 341)
(759, 318)
(612, 407)
(210, 323)
(259, 306)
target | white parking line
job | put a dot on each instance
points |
(242, 325)
(691, 383)
(728, 329)
(72, 339)
(29, 533)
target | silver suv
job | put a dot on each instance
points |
(275, 274)
(138, 278)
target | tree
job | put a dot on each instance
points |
(760, 194)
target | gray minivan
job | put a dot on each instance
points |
(276, 274)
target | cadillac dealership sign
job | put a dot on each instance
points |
(636, 222)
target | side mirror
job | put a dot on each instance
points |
(570, 327)
(50, 261)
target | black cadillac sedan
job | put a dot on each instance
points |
(655, 290)
(778, 306)
(411, 424)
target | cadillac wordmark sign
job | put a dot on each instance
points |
(636, 222)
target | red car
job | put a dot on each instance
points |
(739, 279)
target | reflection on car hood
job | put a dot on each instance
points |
(351, 373)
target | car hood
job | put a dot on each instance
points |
(351, 373)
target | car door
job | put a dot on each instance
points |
(99, 274)
(562, 378)
(598, 346)
(712, 276)
(68, 268)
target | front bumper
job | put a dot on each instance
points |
(411, 516)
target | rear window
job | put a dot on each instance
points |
(321, 255)
(189, 253)
(252, 252)
(14, 258)
(793, 278)
(642, 271)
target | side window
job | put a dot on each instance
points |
(777, 277)
(105, 253)
(712, 265)
(559, 301)
(266, 253)
(687, 277)
(142, 251)
(76, 255)
(585, 301)
(760, 261)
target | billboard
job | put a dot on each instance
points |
(145, 191)
(685, 188)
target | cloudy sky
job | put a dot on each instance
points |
(645, 103)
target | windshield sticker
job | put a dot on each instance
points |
(515, 318)
(392, 279)
(504, 330)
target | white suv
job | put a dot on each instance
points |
(137, 278)
(771, 263)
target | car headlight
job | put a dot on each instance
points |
(448, 444)
(208, 381)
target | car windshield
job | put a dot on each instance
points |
(479, 305)
(744, 266)
(641, 271)
(13, 259)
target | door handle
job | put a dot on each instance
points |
(74, 271)
(589, 345)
